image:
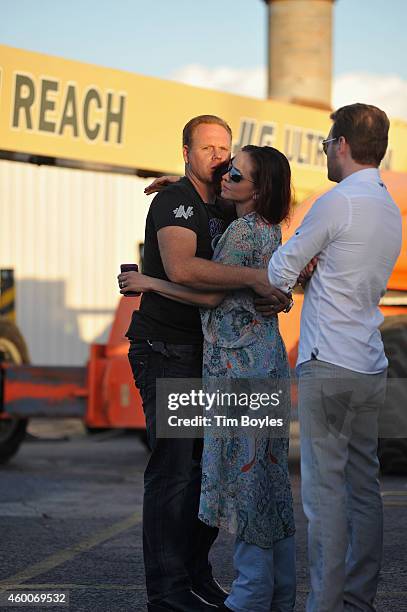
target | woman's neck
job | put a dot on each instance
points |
(244, 208)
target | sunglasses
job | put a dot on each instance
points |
(325, 144)
(235, 175)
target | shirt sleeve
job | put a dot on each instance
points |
(327, 218)
(236, 246)
(172, 207)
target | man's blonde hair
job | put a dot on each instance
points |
(188, 131)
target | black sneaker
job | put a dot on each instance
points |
(184, 601)
(211, 591)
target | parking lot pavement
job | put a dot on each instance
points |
(70, 507)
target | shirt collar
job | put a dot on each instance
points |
(369, 175)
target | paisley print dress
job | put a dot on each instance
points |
(245, 482)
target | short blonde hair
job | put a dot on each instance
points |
(193, 123)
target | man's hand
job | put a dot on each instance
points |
(272, 300)
(271, 306)
(159, 183)
(307, 272)
(260, 284)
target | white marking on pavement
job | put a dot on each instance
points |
(394, 502)
(67, 554)
(395, 493)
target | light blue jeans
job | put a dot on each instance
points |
(266, 579)
(338, 411)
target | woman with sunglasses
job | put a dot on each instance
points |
(245, 481)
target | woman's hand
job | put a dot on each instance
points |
(135, 282)
(159, 183)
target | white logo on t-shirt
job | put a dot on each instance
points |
(181, 212)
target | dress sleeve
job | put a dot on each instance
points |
(236, 246)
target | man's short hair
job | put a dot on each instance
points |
(365, 129)
(193, 123)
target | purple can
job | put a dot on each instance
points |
(133, 267)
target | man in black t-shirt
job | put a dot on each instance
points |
(183, 224)
(178, 206)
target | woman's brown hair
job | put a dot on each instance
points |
(272, 178)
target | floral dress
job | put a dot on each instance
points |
(245, 483)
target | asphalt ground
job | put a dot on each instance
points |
(70, 521)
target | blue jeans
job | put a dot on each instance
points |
(338, 411)
(175, 542)
(266, 579)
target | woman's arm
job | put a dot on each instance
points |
(134, 281)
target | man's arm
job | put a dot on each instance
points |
(327, 218)
(141, 283)
(178, 247)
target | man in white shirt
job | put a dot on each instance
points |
(355, 230)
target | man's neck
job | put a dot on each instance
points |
(206, 191)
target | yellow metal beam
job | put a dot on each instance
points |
(66, 109)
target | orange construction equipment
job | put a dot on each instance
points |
(102, 393)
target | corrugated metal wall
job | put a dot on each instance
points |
(65, 233)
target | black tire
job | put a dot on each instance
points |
(95, 430)
(12, 433)
(393, 451)
(13, 349)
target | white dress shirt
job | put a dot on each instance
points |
(355, 230)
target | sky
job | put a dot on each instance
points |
(219, 44)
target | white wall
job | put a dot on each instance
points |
(65, 233)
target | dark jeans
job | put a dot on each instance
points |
(175, 542)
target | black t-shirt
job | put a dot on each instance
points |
(179, 204)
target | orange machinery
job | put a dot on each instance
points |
(102, 393)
